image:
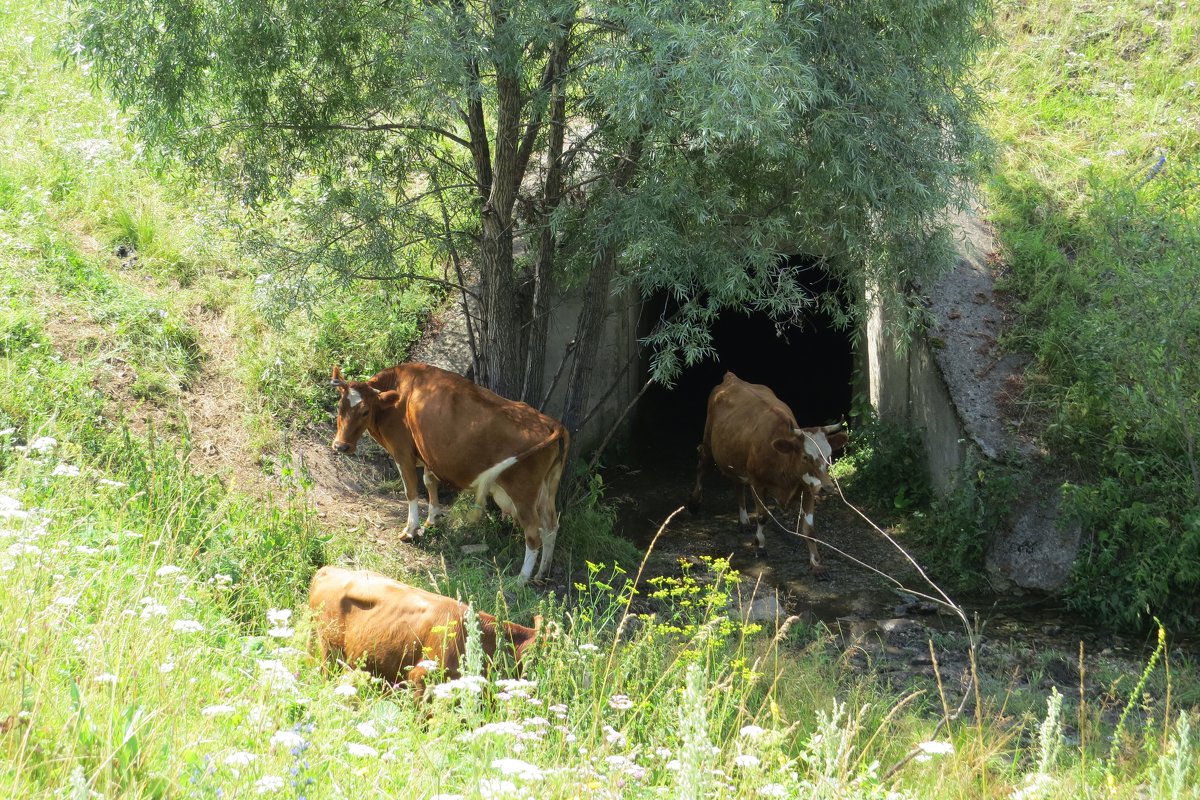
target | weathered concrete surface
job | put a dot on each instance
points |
(969, 319)
(954, 384)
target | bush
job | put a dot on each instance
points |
(884, 466)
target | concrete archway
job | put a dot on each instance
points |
(810, 366)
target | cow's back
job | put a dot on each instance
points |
(460, 429)
(387, 625)
(743, 418)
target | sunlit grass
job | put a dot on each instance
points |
(146, 644)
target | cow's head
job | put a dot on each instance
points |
(809, 453)
(357, 404)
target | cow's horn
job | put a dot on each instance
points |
(834, 428)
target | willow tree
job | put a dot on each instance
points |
(615, 145)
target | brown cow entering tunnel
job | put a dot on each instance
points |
(809, 366)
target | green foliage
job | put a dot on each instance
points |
(1098, 227)
(363, 330)
(884, 466)
(956, 526)
(408, 133)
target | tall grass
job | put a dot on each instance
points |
(153, 635)
(1095, 206)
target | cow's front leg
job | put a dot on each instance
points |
(408, 474)
(807, 530)
(743, 516)
(431, 488)
(760, 511)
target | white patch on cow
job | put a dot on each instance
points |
(414, 518)
(811, 481)
(762, 539)
(816, 446)
(435, 511)
(484, 480)
(743, 517)
(354, 397)
(808, 520)
(530, 560)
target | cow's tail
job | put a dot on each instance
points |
(483, 483)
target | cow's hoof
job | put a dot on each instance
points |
(407, 535)
(821, 573)
(694, 506)
(760, 552)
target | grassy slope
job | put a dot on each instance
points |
(1095, 199)
(135, 645)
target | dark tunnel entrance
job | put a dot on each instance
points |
(809, 366)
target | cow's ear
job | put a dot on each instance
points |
(337, 380)
(837, 441)
(785, 445)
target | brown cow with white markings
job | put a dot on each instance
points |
(400, 632)
(753, 438)
(465, 435)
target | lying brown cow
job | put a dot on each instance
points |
(465, 435)
(390, 628)
(753, 438)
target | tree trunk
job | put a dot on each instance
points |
(544, 258)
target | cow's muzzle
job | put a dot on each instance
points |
(342, 447)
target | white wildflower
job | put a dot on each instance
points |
(111, 483)
(517, 768)
(345, 690)
(268, 783)
(361, 750)
(106, 677)
(154, 609)
(620, 702)
(239, 759)
(614, 736)
(588, 648)
(936, 748)
(216, 710)
(427, 664)
(289, 739)
(166, 666)
(167, 570)
(279, 617)
(66, 602)
(752, 731)
(43, 444)
(746, 761)
(275, 674)
(66, 470)
(472, 684)
(490, 788)
(773, 790)
(187, 626)
(367, 730)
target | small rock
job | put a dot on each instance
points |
(472, 549)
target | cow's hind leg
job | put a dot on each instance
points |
(547, 516)
(435, 508)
